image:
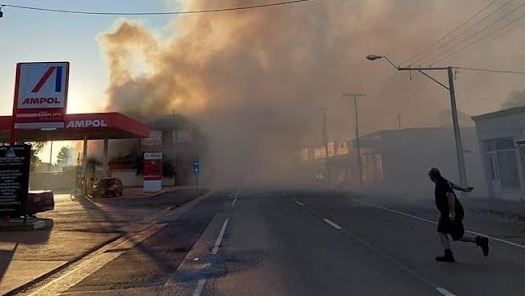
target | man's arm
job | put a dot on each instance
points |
(461, 188)
(451, 199)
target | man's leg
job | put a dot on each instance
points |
(448, 257)
(468, 239)
(443, 237)
(480, 241)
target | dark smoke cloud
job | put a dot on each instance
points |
(256, 80)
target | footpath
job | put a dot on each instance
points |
(514, 209)
(28, 253)
(508, 208)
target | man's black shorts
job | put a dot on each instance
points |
(454, 228)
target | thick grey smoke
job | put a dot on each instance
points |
(515, 99)
(256, 80)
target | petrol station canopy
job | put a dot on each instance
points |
(90, 126)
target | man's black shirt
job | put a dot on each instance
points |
(440, 193)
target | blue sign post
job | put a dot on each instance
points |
(196, 170)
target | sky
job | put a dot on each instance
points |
(261, 77)
(32, 36)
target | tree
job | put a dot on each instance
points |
(64, 156)
(36, 147)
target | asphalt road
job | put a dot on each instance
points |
(256, 242)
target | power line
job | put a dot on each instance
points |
(451, 51)
(121, 13)
(491, 70)
(470, 31)
(415, 57)
(482, 40)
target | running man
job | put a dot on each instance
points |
(451, 216)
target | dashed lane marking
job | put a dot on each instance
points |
(202, 282)
(445, 292)
(333, 224)
(237, 193)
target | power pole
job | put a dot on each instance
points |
(325, 140)
(357, 142)
(457, 132)
(175, 142)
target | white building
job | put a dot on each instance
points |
(501, 137)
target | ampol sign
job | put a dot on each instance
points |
(40, 95)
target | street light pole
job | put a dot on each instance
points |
(357, 140)
(453, 107)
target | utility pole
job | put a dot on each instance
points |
(50, 157)
(325, 140)
(175, 140)
(457, 132)
(357, 142)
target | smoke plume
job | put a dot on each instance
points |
(256, 81)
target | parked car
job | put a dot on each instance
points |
(107, 187)
(37, 201)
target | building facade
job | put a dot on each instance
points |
(502, 142)
(398, 160)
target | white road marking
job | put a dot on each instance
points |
(374, 249)
(237, 193)
(394, 211)
(221, 235)
(285, 194)
(74, 277)
(332, 224)
(202, 282)
(299, 203)
(96, 261)
(433, 222)
(200, 287)
(445, 292)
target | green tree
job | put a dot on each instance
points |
(64, 156)
(36, 147)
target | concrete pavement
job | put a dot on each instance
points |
(28, 253)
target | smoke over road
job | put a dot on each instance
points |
(256, 80)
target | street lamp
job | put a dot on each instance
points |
(450, 88)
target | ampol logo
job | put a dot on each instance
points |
(86, 123)
(58, 79)
(58, 70)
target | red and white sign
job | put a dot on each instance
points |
(86, 123)
(152, 171)
(153, 166)
(40, 95)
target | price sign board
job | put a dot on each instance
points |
(14, 178)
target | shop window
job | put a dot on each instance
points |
(504, 143)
